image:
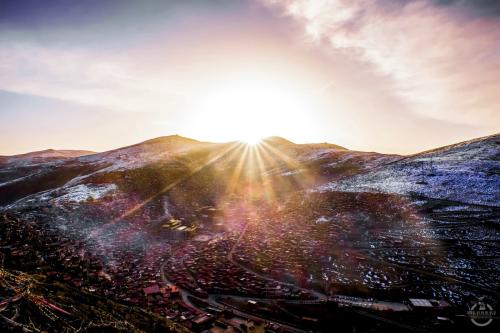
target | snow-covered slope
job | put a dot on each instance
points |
(468, 172)
(138, 155)
(18, 168)
(67, 194)
(138, 171)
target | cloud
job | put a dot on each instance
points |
(444, 61)
(83, 76)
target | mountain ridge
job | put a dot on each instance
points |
(50, 152)
(322, 166)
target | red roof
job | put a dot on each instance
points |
(154, 289)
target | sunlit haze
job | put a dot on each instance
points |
(385, 76)
(250, 109)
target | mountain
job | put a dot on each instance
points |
(467, 172)
(42, 156)
(277, 140)
(147, 167)
(22, 180)
(20, 169)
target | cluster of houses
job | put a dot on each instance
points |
(204, 267)
(336, 245)
(127, 275)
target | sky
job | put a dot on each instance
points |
(393, 76)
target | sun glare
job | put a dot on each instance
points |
(252, 140)
(249, 110)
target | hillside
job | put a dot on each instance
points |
(149, 167)
(41, 156)
(467, 172)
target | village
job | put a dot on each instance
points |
(247, 273)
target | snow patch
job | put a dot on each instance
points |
(82, 192)
(291, 173)
(322, 219)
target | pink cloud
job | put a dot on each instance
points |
(444, 64)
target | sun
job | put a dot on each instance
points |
(252, 140)
(245, 109)
(249, 109)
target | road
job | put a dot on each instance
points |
(212, 298)
(213, 302)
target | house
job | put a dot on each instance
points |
(151, 290)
